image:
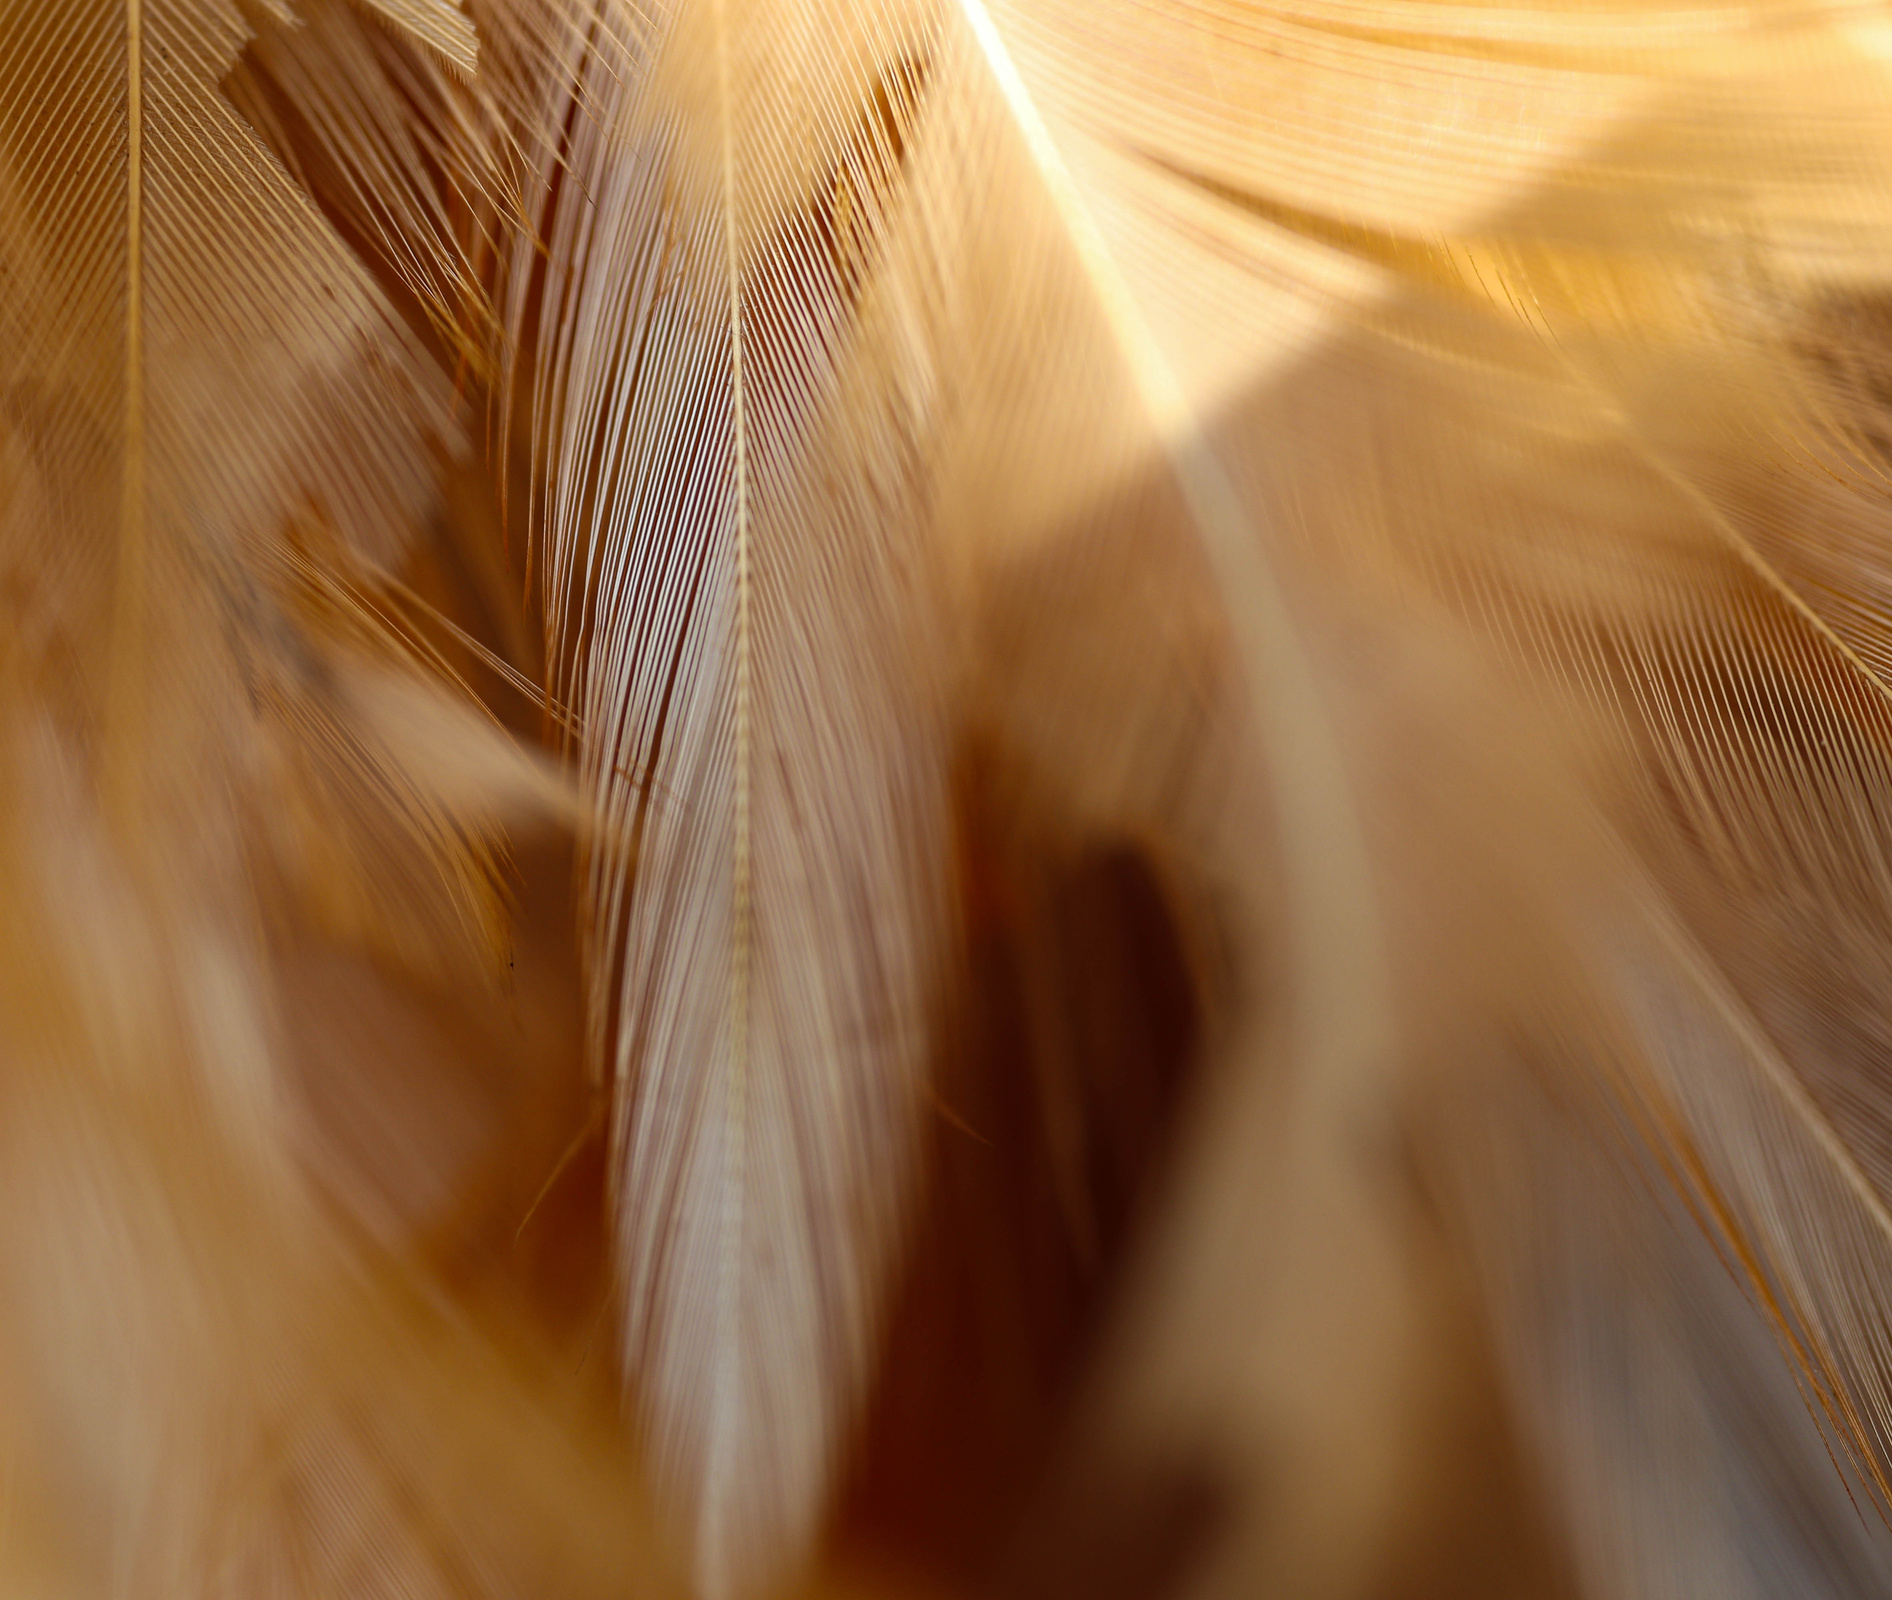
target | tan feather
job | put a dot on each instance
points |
(215, 432)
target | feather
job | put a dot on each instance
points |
(216, 434)
(439, 24)
(369, 125)
(1596, 321)
(744, 614)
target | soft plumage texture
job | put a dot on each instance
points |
(1381, 508)
(219, 765)
(1597, 321)
(371, 125)
(743, 613)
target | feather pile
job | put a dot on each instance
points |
(965, 797)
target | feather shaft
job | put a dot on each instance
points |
(132, 576)
(721, 1466)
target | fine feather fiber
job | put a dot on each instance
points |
(945, 797)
